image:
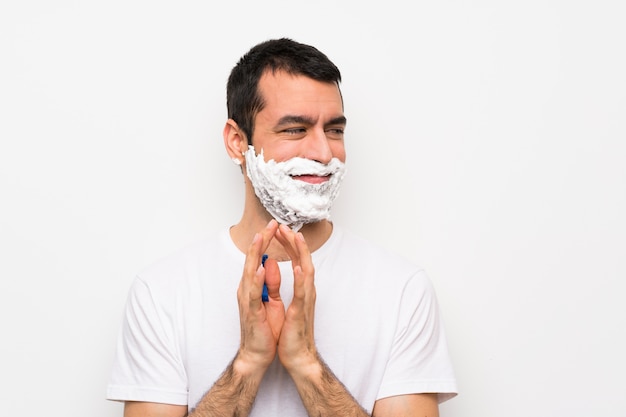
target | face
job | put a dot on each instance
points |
(301, 118)
(296, 164)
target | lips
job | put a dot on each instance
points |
(311, 179)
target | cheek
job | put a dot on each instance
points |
(338, 150)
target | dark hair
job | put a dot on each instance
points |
(243, 99)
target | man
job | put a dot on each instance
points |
(326, 324)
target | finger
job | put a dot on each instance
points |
(304, 273)
(259, 244)
(267, 235)
(304, 255)
(251, 285)
(286, 237)
(272, 278)
(304, 293)
(256, 289)
(250, 265)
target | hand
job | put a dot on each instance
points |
(260, 322)
(296, 345)
(265, 326)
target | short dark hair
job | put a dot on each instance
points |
(243, 99)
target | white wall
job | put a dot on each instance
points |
(486, 141)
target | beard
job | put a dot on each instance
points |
(291, 201)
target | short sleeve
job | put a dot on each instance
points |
(147, 365)
(419, 361)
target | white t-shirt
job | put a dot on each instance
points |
(377, 326)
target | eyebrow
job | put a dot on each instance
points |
(294, 119)
(341, 120)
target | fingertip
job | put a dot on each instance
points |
(301, 242)
(281, 232)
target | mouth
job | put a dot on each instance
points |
(312, 179)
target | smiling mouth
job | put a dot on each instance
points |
(311, 179)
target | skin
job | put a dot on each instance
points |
(302, 118)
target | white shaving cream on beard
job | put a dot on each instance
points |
(289, 200)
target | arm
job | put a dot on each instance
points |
(232, 395)
(145, 409)
(321, 392)
(422, 405)
(403, 405)
(234, 392)
(324, 395)
(291, 333)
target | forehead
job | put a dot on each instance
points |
(285, 93)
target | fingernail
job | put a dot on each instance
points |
(300, 236)
(256, 237)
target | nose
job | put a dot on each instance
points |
(317, 147)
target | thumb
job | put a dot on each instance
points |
(272, 278)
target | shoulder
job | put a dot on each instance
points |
(357, 255)
(186, 264)
(373, 254)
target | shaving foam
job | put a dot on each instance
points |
(291, 201)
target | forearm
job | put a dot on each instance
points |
(323, 394)
(233, 393)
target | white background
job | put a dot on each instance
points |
(486, 142)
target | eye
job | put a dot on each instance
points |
(335, 133)
(295, 131)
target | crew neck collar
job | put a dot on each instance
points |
(318, 255)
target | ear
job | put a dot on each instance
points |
(235, 141)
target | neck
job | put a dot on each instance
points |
(315, 234)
